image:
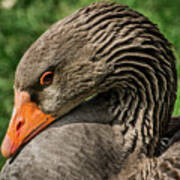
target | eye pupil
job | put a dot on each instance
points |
(46, 78)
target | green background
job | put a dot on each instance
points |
(26, 20)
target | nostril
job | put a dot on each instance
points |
(19, 126)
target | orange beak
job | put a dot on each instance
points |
(26, 122)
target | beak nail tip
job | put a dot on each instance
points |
(6, 147)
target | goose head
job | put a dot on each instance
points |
(101, 49)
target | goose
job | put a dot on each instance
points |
(94, 97)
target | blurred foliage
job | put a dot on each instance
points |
(24, 21)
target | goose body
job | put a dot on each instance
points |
(101, 86)
(99, 158)
(100, 153)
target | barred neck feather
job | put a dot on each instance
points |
(143, 76)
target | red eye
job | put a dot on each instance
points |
(46, 78)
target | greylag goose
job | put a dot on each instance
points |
(100, 86)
